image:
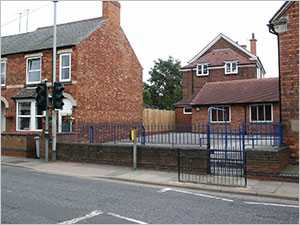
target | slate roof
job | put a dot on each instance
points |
(238, 92)
(25, 94)
(68, 34)
(217, 57)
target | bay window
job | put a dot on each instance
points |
(28, 118)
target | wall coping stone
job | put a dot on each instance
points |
(267, 149)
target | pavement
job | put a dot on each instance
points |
(262, 188)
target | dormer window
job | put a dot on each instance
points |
(202, 69)
(231, 68)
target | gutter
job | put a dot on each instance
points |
(272, 31)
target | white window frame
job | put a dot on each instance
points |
(3, 73)
(184, 112)
(229, 116)
(231, 63)
(259, 121)
(32, 116)
(61, 114)
(202, 69)
(65, 67)
(27, 70)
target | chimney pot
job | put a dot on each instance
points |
(253, 44)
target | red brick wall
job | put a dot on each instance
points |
(16, 75)
(289, 72)
(215, 74)
(109, 77)
(181, 118)
(238, 113)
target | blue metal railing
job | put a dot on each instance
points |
(217, 135)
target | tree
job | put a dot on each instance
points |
(147, 97)
(165, 83)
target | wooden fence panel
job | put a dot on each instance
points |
(157, 116)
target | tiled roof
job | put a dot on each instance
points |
(218, 56)
(68, 34)
(26, 93)
(238, 91)
(185, 102)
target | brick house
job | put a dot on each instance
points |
(248, 100)
(285, 24)
(221, 60)
(95, 62)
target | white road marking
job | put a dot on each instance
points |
(271, 204)
(76, 220)
(126, 218)
(197, 194)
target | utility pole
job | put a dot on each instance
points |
(27, 10)
(54, 80)
(20, 15)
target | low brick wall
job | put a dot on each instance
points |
(260, 163)
(266, 163)
(152, 157)
(18, 144)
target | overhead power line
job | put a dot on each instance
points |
(25, 14)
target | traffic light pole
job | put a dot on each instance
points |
(46, 133)
(53, 80)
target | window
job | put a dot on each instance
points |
(261, 113)
(231, 68)
(65, 67)
(187, 110)
(218, 116)
(33, 70)
(65, 125)
(202, 69)
(28, 118)
(3, 73)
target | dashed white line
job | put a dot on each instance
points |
(271, 204)
(197, 194)
(76, 220)
(126, 218)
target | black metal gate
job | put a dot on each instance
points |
(222, 162)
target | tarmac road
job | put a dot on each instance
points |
(34, 197)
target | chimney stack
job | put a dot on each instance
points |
(253, 44)
(111, 11)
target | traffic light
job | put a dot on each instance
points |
(41, 98)
(58, 95)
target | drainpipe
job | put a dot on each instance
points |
(192, 81)
(272, 31)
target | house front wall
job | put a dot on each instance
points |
(289, 77)
(16, 78)
(238, 113)
(197, 82)
(110, 78)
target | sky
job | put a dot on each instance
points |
(159, 29)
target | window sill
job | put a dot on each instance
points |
(67, 82)
(204, 75)
(31, 85)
